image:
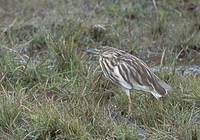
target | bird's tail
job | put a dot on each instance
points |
(165, 86)
(161, 90)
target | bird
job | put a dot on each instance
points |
(128, 72)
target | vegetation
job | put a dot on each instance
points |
(50, 89)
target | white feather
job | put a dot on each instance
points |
(121, 79)
(165, 85)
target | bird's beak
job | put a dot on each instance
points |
(90, 50)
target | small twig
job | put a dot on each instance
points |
(3, 77)
(155, 5)
(177, 56)
(9, 26)
(163, 57)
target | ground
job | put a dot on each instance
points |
(50, 89)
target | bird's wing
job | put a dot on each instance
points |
(138, 74)
(111, 70)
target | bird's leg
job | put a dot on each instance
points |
(129, 104)
(129, 101)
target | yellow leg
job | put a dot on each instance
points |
(129, 100)
(129, 104)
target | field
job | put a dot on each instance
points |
(50, 89)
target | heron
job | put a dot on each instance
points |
(129, 72)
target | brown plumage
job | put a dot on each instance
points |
(129, 72)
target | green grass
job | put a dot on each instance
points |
(51, 90)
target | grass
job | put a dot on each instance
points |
(51, 90)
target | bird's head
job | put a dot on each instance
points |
(97, 51)
(93, 51)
